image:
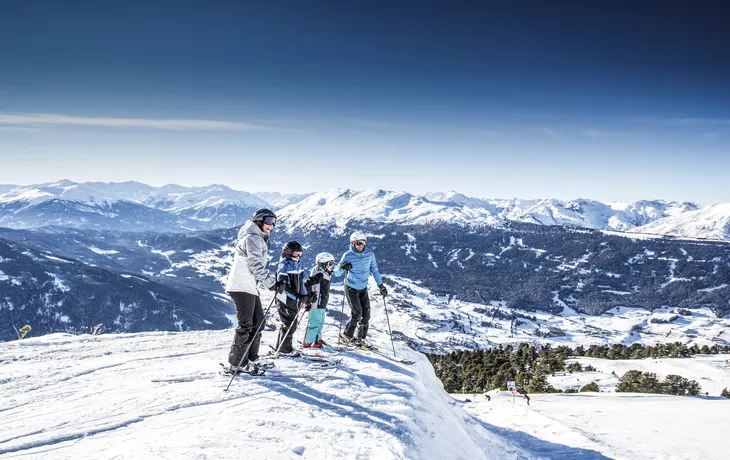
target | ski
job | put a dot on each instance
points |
(226, 371)
(375, 350)
(316, 362)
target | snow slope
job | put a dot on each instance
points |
(711, 222)
(711, 371)
(610, 425)
(159, 395)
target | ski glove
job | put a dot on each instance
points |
(347, 266)
(383, 290)
(313, 280)
(280, 286)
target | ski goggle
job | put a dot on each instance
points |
(296, 255)
(270, 220)
(359, 243)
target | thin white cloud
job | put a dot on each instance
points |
(19, 121)
(688, 121)
(14, 128)
(547, 132)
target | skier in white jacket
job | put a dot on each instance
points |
(247, 274)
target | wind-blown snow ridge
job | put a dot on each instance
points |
(160, 395)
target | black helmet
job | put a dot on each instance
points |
(290, 248)
(262, 214)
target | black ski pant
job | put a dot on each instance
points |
(359, 313)
(287, 313)
(250, 315)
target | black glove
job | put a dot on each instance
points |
(313, 280)
(280, 286)
(347, 266)
(307, 307)
(383, 290)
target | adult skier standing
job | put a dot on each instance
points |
(247, 274)
(359, 263)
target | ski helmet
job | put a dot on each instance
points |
(260, 215)
(324, 258)
(358, 236)
(290, 248)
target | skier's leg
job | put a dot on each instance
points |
(313, 327)
(319, 316)
(245, 304)
(355, 312)
(287, 314)
(362, 327)
(258, 318)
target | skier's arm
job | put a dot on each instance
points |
(338, 270)
(376, 273)
(257, 265)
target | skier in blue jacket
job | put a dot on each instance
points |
(291, 293)
(359, 263)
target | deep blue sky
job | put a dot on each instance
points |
(618, 101)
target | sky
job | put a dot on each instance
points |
(616, 101)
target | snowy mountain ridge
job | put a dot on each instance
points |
(336, 207)
(710, 222)
(169, 197)
(126, 205)
(175, 208)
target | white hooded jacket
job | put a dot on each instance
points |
(249, 262)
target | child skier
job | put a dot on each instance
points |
(290, 294)
(318, 285)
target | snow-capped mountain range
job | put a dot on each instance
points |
(337, 207)
(126, 206)
(134, 206)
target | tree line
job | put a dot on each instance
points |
(476, 371)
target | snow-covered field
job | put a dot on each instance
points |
(609, 425)
(711, 371)
(160, 395)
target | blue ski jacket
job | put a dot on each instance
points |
(294, 275)
(363, 265)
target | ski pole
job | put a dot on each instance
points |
(294, 321)
(245, 353)
(390, 332)
(306, 329)
(342, 308)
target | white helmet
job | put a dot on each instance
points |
(324, 257)
(358, 236)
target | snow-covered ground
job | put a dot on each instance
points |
(711, 371)
(609, 425)
(160, 395)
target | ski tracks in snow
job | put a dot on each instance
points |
(159, 395)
